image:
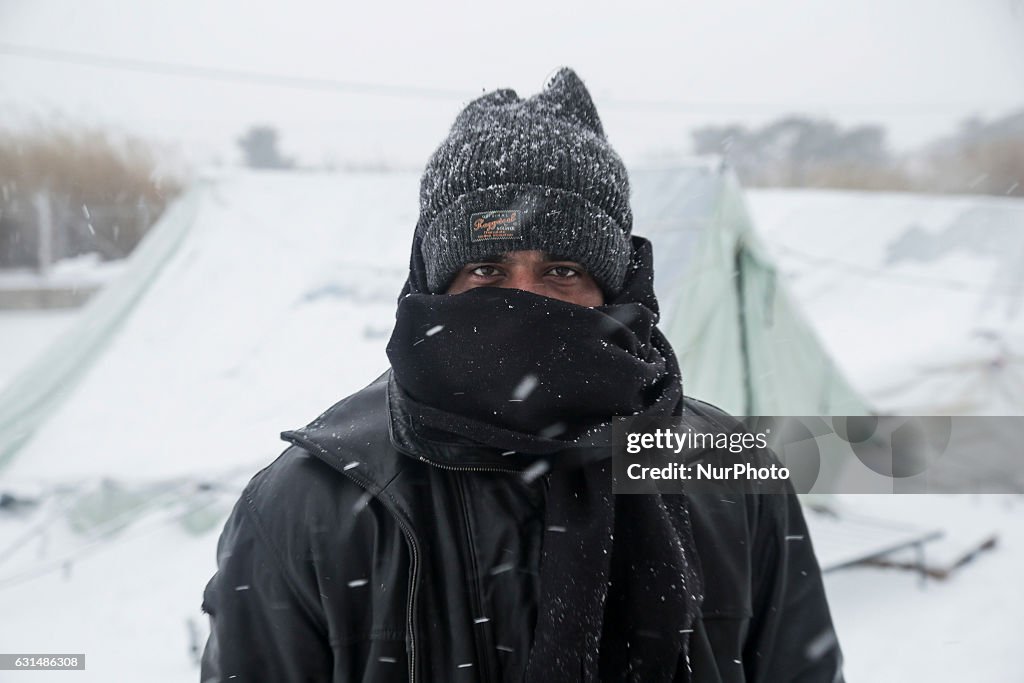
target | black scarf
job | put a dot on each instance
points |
(513, 371)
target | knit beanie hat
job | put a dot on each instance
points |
(522, 174)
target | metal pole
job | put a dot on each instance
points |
(44, 223)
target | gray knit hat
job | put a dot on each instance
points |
(517, 174)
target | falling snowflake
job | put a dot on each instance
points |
(535, 470)
(552, 430)
(525, 387)
(502, 568)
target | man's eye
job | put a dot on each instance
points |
(564, 271)
(485, 271)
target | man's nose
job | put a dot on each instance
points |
(524, 281)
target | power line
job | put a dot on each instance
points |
(430, 92)
(231, 75)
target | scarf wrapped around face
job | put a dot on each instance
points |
(513, 371)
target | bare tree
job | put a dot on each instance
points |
(259, 145)
(800, 151)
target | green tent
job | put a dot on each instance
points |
(742, 343)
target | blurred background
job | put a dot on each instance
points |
(205, 212)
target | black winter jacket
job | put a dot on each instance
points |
(366, 553)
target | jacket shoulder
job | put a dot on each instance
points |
(293, 506)
(294, 501)
(351, 418)
(354, 437)
(294, 475)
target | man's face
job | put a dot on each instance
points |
(531, 271)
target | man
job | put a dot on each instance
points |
(454, 520)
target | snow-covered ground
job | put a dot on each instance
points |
(87, 271)
(127, 597)
(895, 628)
(135, 475)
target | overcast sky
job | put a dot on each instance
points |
(655, 69)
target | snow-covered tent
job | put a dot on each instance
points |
(258, 300)
(741, 341)
(935, 285)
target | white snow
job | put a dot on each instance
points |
(24, 334)
(918, 298)
(127, 596)
(87, 271)
(893, 627)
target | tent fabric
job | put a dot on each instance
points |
(742, 342)
(29, 399)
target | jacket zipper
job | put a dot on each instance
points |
(461, 468)
(457, 468)
(483, 650)
(406, 530)
(467, 468)
(414, 569)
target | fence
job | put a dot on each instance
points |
(41, 229)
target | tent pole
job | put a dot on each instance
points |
(741, 305)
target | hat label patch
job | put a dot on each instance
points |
(495, 225)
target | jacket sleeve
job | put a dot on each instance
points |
(791, 638)
(262, 626)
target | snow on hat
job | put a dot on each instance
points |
(519, 174)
